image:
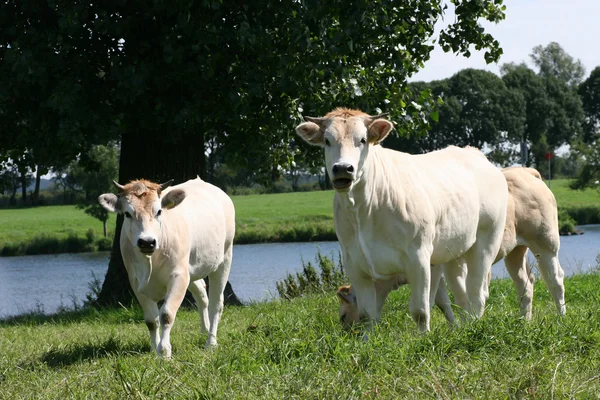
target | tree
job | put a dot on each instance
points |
(589, 146)
(168, 77)
(553, 111)
(95, 172)
(553, 61)
(476, 109)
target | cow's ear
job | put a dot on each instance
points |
(108, 201)
(311, 133)
(172, 199)
(378, 130)
(345, 294)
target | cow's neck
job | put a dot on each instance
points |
(372, 189)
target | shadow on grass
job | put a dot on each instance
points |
(78, 353)
(64, 317)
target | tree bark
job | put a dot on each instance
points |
(23, 188)
(158, 159)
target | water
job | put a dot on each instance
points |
(45, 283)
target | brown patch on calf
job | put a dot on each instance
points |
(166, 319)
(345, 113)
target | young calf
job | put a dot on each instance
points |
(171, 239)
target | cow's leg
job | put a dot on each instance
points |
(443, 301)
(419, 278)
(176, 289)
(479, 263)
(516, 265)
(198, 290)
(150, 309)
(553, 275)
(216, 284)
(455, 272)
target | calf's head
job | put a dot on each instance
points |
(346, 136)
(141, 203)
(348, 307)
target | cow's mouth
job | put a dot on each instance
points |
(342, 183)
(147, 252)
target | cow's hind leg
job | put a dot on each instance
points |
(198, 290)
(553, 275)
(517, 267)
(442, 300)
(455, 272)
(150, 309)
(479, 263)
(175, 293)
(216, 284)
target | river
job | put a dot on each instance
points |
(47, 282)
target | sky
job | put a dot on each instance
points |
(574, 24)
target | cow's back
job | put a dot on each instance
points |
(439, 199)
(205, 220)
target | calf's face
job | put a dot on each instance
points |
(142, 205)
(346, 143)
(348, 306)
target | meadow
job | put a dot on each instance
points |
(297, 350)
(286, 217)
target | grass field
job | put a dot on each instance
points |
(288, 217)
(297, 350)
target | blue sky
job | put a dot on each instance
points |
(574, 24)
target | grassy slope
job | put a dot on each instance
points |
(296, 350)
(18, 225)
(566, 197)
(260, 218)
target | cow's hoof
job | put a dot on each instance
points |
(210, 344)
(164, 351)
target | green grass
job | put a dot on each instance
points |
(286, 217)
(22, 224)
(567, 197)
(297, 350)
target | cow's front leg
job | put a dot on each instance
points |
(419, 278)
(175, 293)
(150, 309)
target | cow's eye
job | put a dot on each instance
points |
(127, 215)
(158, 213)
(327, 142)
(363, 141)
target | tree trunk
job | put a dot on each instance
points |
(159, 159)
(23, 188)
(36, 192)
(104, 227)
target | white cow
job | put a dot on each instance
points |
(395, 213)
(531, 222)
(169, 245)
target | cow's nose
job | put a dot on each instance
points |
(342, 167)
(146, 244)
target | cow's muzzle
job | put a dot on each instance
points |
(147, 246)
(342, 175)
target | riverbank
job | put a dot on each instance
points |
(267, 218)
(296, 349)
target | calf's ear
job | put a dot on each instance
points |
(345, 294)
(378, 130)
(108, 201)
(311, 133)
(172, 199)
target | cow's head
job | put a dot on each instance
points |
(346, 136)
(348, 306)
(141, 203)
